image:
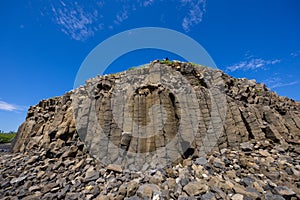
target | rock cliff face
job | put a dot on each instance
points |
(137, 114)
(168, 130)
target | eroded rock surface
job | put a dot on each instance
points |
(193, 131)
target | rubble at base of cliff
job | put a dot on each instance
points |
(259, 170)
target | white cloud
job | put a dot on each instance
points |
(81, 21)
(9, 107)
(276, 82)
(195, 13)
(75, 21)
(252, 63)
(295, 54)
(122, 16)
(147, 3)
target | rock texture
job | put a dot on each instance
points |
(252, 112)
(222, 138)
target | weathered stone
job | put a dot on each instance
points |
(284, 191)
(246, 146)
(273, 197)
(132, 186)
(91, 174)
(200, 161)
(115, 168)
(195, 188)
(237, 197)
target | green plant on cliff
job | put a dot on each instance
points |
(193, 64)
(167, 62)
(7, 137)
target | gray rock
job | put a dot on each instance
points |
(246, 146)
(284, 191)
(208, 196)
(19, 179)
(273, 197)
(200, 161)
(91, 174)
(132, 186)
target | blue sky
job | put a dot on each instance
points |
(43, 43)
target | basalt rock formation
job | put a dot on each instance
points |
(245, 109)
(192, 130)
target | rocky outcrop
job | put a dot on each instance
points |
(166, 130)
(142, 110)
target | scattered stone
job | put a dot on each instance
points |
(200, 161)
(195, 188)
(246, 146)
(115, 168)
(284, 191)
(237, 197)
(273, 197)
(91, 174)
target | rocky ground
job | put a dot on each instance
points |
(259, 170)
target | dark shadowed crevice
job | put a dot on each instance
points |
(248, 128)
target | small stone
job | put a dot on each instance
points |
(102, 197)
(123, 189)
(187, 162)
(208, 196)
(246, 146)
(40, 174)
(35, 196)
(89, 187)
(204, 175)
(16, 180)
(146, 191)
(184, 181)
(195, 188)
(132, 186)
(72, 195)
(264, 153)
(115, 168)
(237, 197)
(201, 161)
(273, 197)
(32, 160)
(91, 174)
(284, 191)
(218, 163)
(71, 152)
(78, 165)
(34, 188)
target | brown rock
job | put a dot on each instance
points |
(195, 188)
(115, 168)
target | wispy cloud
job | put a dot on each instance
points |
(122, 16)
(147, 3)
(75, 21)
(81, 21)
(276, 82)
(195, 13)
(10, 107)
(252, 63)
(295, 54)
